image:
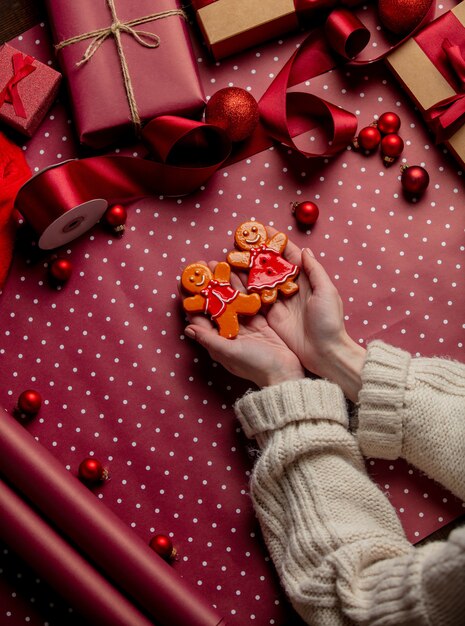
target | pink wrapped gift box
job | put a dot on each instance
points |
(161, 79)
(27, 90)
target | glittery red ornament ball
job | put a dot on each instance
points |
(368, 138)
(388, 123)
(92, 471)
(401, 16)
(163, 546)
(306, 213)
(414, 179)
(61, 269)
(116, 216)
(29, 402)
(235, 110)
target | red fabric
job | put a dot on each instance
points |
(14, 171)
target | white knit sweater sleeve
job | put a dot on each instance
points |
(334, 538)
(414, 408)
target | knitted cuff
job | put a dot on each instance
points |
(392, 590)
(381, 401)
(297, 400)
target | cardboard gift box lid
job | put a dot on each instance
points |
(230, 26)
(425, 83)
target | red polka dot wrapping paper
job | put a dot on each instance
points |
(121, 382)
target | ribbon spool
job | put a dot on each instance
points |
(60, 222)
(72, 224)
(63, 201)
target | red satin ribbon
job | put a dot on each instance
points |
(187, 153)
(22, 67)
(446, 117)
(285, 114)
(456, 59)
(443, 42)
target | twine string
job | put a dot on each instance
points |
(143, 37)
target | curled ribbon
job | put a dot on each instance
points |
(144, 38)
(446, 116)
(288, 114)
(22, 67)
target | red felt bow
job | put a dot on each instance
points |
(22, 67)
(447, 116)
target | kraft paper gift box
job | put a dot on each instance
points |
(429, 66)
(230, 26)
(125, 63)
(27, 90)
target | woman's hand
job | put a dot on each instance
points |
(311, 323)
(257, 353)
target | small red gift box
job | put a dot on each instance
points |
(27, 90)
(125, 63)
(431, 68)
(230, 26)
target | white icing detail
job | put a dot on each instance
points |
(250, 241)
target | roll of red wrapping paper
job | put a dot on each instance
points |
(100, 534)
(58, 563)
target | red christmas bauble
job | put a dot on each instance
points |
(368, 138)
(29, 402)
(92, 471)
(391, 147)
(414, 179)
(388, 123)
(163, 546)
(235, 110)
(401, 16)
(61, 269)
(116, 216)
(306, 213)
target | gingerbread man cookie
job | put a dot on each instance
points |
(215, 296)
(268, 270)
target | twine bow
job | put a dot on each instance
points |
(22, 67)
(446, 116)
(144, 38)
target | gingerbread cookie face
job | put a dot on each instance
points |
(215, 296)
(195, 277)
(250, 235)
